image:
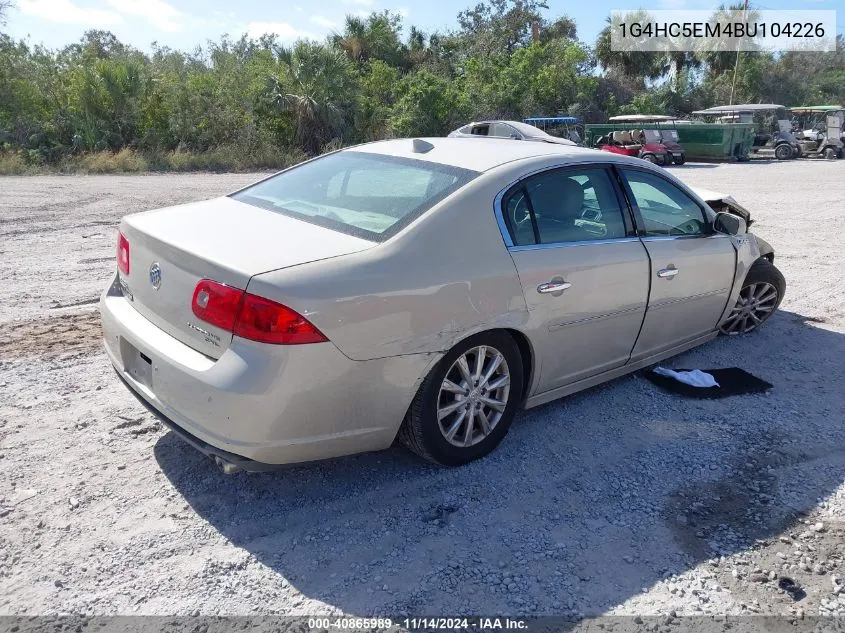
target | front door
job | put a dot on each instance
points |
(584, 274)
(692, 267)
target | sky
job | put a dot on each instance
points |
(185, 24)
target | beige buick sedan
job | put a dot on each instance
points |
(418, 289)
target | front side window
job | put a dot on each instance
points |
(664, 208)
(566, 205)
(368, 195)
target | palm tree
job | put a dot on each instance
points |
(676, 64)
(374, 37)
(639, 64)
(317, 92)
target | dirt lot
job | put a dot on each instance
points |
(621, 499)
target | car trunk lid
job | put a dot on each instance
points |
(172, 249)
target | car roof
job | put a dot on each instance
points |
(525, 128)
(478, 154)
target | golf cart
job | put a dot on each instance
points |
(819, 130)
(668, 136)
(774, 131)
(567, 127)
(645, 144)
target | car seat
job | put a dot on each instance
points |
(558, 201)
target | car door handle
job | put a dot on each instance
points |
(667, 273)
(553, 286)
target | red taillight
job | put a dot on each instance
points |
(252, 317)
(217, 303)
(122, 253)
(270, 322)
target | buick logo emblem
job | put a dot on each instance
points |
(155, 276)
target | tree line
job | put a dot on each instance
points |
(254, 102)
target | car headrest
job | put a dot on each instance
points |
(560, 198)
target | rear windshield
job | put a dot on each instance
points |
(367, 195)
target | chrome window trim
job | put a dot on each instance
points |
(500, 218)
(661, 238)
(537, 247)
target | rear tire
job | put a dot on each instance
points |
(759, 298)
(783, 152)
(830, 153)
(452, 400)
(651, 158)
(680, 160)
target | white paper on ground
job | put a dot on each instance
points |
(694, 378)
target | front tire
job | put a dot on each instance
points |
(680, 160)
(760, 295)
(651, 158)
(830, 153)
(466, 404)
(783, 152)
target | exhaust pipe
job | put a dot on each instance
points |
(228, 468)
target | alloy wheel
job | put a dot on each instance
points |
(473, 396)
(756, 303)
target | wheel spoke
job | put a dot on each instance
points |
(764, 308)
(491, 369)
(485, 423)
(493, 404)
(769, 296)
(463, 367)
(442, 412)
(470, 427)
(749, 293)
(480, 357)
(731, 322)
(764, 289)
(757, 320)
(499, 382)
(450, 433)
(452, 387)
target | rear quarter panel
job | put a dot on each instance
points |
(446, 276)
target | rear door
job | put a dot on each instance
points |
(692, 266)
(584, 274)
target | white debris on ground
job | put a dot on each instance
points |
(622, 499)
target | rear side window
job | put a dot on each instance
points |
(566, 205)
(367, 195)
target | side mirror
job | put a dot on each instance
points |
(730, 224)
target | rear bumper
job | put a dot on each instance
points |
(260, 405)
(222, 457)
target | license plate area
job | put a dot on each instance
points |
(137, 364)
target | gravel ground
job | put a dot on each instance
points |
(618, 500)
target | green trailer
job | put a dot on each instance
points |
(701, 141)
